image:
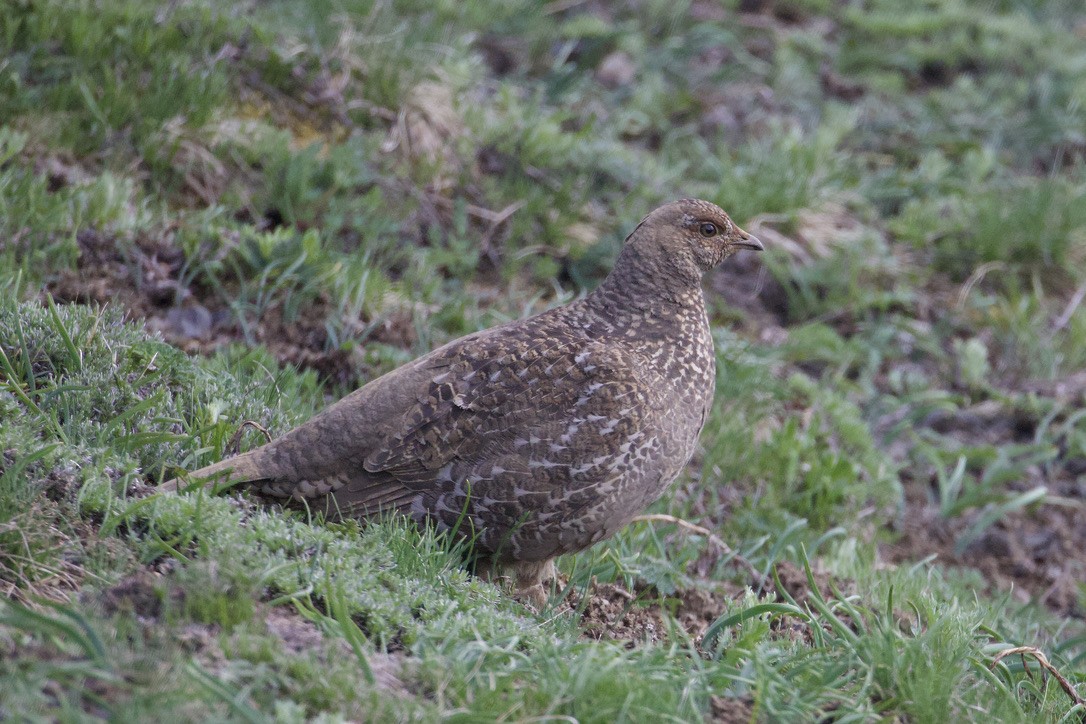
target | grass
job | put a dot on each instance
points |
(321, 191)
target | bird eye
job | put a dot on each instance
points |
(708, 229)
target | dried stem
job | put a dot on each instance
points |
(713, 538)
(235, 442)
(1043, 661)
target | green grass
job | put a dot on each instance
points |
(342, 186)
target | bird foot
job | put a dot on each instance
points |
(534, 597)
(525, 578)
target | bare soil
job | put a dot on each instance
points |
(725, 710)
(1037, 553)
(299, 635)
(612, 613)
(145, 280)
(1033, 554)
(144, 595)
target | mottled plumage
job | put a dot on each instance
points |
(538, 437)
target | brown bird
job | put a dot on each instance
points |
(534, 438)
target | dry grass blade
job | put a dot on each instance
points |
(560, 6)
(975, 278)
(1045, 664)
(1072, 306)
(234, 446)
(700, 530)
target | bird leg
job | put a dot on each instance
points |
(526, 578)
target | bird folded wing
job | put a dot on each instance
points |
(533, 410)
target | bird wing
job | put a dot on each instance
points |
(516, 425)
(493, 393)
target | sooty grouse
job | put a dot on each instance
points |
(537, 437)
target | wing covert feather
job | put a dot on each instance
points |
(545, 405)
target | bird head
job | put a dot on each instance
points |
(693, 233)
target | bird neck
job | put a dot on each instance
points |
(650, 281)
(655, 310)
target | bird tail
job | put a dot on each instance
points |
(238, 469)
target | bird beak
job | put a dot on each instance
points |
(748, 241)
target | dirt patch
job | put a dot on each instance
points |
(39, 559)
(699, 607)
(141, 278)
(145, 594)
(145, 278)
(294, 632)
(986, 423)
(739, 110)
(1036, 555)
(299, 635)
(1070, 390)
(836, 85)
(299, 340)
(726, 710)
(612, 613)
(794, 581)
(141, 594)
(766, 305)
(1039, 552)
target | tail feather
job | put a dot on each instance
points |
(239, 469)
(366, 495)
